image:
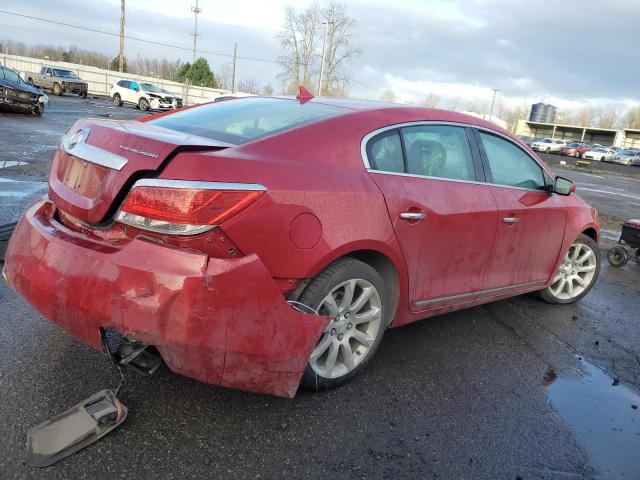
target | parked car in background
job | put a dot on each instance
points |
(230, 236)
(527, 139)
(59, 81)
(575, 149)
(626, 157)
(601, 154)
(16, 95)
(143, 95)
(548, 145)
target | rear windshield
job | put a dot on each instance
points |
(245, 119)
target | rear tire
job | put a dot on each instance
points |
(577, 273)
(57, 89)
(548, 150)
(355, 295)
(618, 256)
(117, 100)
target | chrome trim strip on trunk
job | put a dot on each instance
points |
(95, 155)
(463, 296)
(198, 185)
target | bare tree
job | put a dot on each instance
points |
(632, 118)
(431, 101)
(388, 96)
(267, 90)
(608, 116)
(339, 49)
(301, 39)
(249, 85)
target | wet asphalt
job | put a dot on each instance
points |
(512, 389)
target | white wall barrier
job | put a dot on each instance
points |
(101, 80)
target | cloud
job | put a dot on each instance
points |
(575, 52)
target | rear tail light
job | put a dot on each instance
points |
(185, 207)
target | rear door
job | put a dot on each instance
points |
(443, 216)
(531, 219)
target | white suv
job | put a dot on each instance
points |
(145, 96)
(548, 145)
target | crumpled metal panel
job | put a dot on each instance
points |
(221, 321)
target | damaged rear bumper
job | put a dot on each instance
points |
(219, 321)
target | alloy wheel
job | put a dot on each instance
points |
(576, 273)
(356, 309)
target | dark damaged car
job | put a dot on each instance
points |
(16, 95)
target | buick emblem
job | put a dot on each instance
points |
(78, 137)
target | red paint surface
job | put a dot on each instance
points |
(213, 303)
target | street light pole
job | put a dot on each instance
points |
(495, 92)
(324, 43)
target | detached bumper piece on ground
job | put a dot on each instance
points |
(74, 429)
(618, 255)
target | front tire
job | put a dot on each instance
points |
(577, 273)
(355, 296)
(57, 89)
(144, 105)
(548, 150)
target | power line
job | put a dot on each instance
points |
(112, 34)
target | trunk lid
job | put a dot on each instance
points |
(99, 160)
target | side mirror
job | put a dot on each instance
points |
(563, 186)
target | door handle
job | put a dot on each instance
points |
(413, 215)
(511, 220)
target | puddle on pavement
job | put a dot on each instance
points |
(605, 417)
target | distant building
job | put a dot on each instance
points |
(542, 112)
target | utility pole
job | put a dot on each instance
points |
(495, 92)
(324, 43)
(196, 10)
(233, 73)
(121, 55)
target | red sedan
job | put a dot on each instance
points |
(576, 149)
(267, 242)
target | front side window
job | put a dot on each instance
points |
(438, 151)
(510, 165)
(134, 85)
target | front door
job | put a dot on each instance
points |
(531, 221)
(444, 219)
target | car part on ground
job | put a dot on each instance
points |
(630, 235)
(74, 429)
(5, 235)
(196, 232)
(577, 273)
(16, 95)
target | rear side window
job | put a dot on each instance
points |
(247, 119)
(510, 165)
(384, 152)
(438, 151)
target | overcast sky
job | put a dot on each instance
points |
(571, 52)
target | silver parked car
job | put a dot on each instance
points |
(626, 157)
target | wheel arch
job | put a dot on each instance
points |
(591, 233)
(392, 271)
